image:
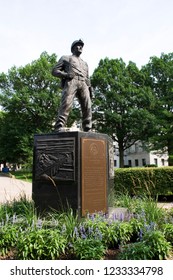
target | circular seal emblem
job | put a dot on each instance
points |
(93, 149)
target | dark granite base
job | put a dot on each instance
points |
(72, 170)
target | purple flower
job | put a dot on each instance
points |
(121, 217)
(98, 234)
(140, 234)
(14, 219)
(63, 229)
(90, 230)
(76, 233)
(7, 217)
(39, 224)
(83, 236)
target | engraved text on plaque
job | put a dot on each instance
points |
(94, 175)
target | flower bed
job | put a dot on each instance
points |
(146, 233)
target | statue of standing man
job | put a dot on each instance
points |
(75, 81)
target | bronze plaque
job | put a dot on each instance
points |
(94, 179)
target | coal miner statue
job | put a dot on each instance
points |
(75, 81)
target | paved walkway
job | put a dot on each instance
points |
(11, 188)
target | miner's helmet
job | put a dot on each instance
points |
(77, 42)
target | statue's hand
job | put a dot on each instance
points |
(70, 76)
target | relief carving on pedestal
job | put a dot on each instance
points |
(55, 159)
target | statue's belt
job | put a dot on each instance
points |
(80, 78)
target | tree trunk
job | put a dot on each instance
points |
(170, 152)
(121, 156)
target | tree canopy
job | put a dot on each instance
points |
(160, 78)
(30, 97)
(123, 104)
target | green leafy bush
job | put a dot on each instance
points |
(41, 244)
(148, 211)
(22, 208)
(8, 238)
(145, 233)
(157, 243)
(135, 251)
(153, 246)
(146, 180)
(168, 232)
(87, 242)
(88, 249)
(113, 231)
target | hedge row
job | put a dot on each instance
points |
(147, 180)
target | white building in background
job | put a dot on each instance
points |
(137, 156)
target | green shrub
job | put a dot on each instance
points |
(157, 243)
(41, 244)
(86, 242)
(148, 212)
(135, 251)
(113, 231)
(153, 246)
(137, 225)
(64, 236)
(8, 238)
(22, 208)
(147, 180)
(168, 232)
(88, 249)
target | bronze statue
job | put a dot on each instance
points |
(75, 81)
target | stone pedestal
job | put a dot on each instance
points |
(72, 170)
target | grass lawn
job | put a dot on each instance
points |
(22, 175)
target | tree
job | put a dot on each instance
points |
(123, 105)
(29, 97)
(160, 79)
(15, 142)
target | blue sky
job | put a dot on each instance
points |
(131, 29)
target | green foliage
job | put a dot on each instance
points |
(22, 209)
(148, 181)
(157, 243)
(29, 97)
(125, 200)
(153, 246)
(87, 241)
(113, 232)
(144, 213)
(159, 73)
(122, 99)
(8, 238)
(149, 212)
(125, 232)
(88, 249)
(168, 232)
(170, 159)
(40, 244)
(67, 221)
(144, 234)
(22, 175)
(135, 251)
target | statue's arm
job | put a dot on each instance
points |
(89, 82)
(59, 69)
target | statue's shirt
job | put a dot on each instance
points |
(73, 64)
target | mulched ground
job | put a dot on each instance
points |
(110, 255)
